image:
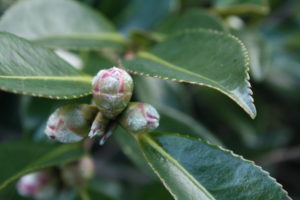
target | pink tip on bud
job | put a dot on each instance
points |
(70, 123)
(37, 185)
(140, 118)
(98, 126)
(112, 90)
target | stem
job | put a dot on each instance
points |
(280, 155)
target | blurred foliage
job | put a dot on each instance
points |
(273, 41)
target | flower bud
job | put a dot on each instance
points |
(77, 173)
(71, 123)
(38, 185)
(98, 126)
(112, 90)
(139, 118)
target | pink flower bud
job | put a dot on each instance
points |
(38, 185)
(140, 118)
(71, 123)
(112, 90)
(77, 173)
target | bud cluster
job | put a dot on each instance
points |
(112, 90)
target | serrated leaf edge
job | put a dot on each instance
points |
(252, 113)
(227, 151)
(44, 96)
(162, 151)
(86, 79)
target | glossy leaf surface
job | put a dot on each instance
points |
(194, 169)
(29, 69)
(201, 57)
(60, 24)
(169, 98)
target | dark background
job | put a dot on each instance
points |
(272, 140)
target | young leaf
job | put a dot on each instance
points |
(194, 169)
(18, 158)
(202, 57)
(241, 7)
(28, 69)
(60, 24)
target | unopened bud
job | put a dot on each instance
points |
(71, 123)
(38, 185)
(77, 173)
(112, 90)
(140, 118)
(99, 125)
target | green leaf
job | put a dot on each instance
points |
(93, 62)
(241, 6)
(107, 186)
(28, 69)
(10, 192)
(152, 191)
(60, 24)
(130, 148)
(90, 194)
(191, 19)
(172, 120)
(169, 99)
(194, 169)
(145, 14)
(18, 158)
(201, 57)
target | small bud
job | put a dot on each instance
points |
(112, 90)
(77, 173)
(140, 118)
(98, 126)
(38, 185)
(71, 123)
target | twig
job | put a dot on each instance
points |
(280, 155)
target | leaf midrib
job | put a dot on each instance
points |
(86, 36)
(211, 83)
(159, 149)
(152, 57)
(86, 79)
